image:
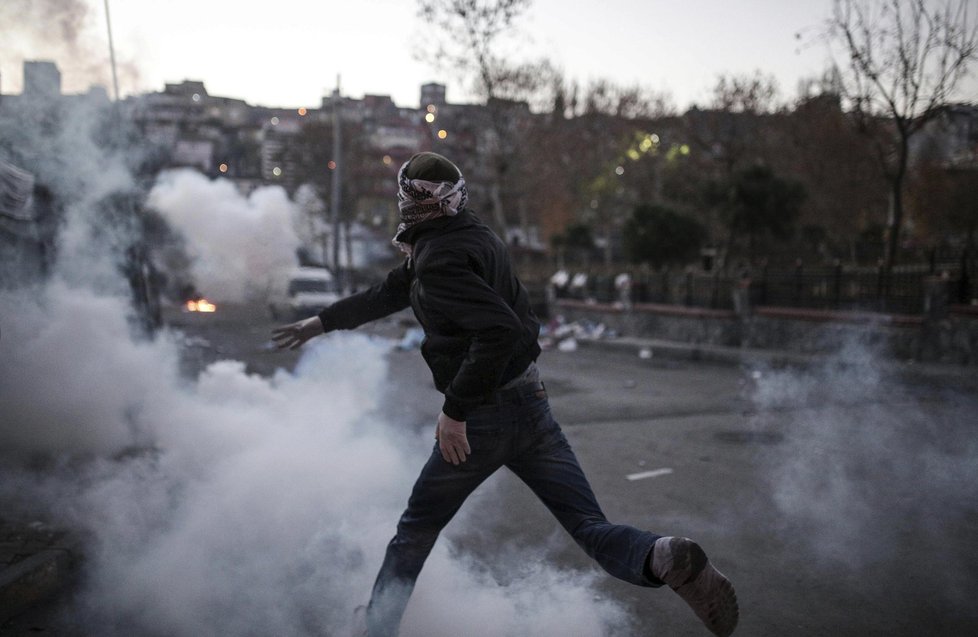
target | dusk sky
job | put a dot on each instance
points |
(289, 52)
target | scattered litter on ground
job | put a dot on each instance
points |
(556, 334)
(654, 473)
(558, 331)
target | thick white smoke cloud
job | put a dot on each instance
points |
(243, 505)
(228, 504)
(242, 247)
(70, 379)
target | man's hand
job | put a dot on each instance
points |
(293, 335)
(452, 442)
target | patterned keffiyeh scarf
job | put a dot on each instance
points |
(419, 200)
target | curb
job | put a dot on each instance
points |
(674, 350)
(696, 352)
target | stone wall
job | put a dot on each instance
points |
(949, 335)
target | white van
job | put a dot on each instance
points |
(309, 290)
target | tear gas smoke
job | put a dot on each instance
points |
(873, 470)
(69, 32)
(51, 30)
(242, 247)
(246, 505)
(230, 503)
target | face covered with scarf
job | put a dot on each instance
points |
(429, 186)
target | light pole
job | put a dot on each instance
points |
(115, 77)
(336, 185)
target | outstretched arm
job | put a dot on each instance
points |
(378, 301)
(375, 302)
(293, 335)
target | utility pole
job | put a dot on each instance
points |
(336, 184)
(115, 77)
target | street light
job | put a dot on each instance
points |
(115, 76)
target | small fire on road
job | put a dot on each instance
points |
(199, 305)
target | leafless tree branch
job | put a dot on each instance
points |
(905, 58)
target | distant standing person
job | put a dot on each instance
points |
(481, 346)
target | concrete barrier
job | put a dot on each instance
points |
(944, 334)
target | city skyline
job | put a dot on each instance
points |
(284, 54)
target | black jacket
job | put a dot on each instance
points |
(479, 329)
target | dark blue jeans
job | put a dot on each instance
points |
(520, 433)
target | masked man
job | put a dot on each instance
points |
(481, 346)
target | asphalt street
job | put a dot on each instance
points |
(839, 502)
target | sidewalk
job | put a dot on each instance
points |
(674, 350)
(36, 562)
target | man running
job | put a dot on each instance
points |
(481, 346)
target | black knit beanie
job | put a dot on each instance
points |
(432, 167)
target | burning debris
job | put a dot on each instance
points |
(199, 305)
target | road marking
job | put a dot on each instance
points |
(655, 473)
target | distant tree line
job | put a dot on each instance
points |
(612, 173)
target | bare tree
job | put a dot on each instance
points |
(838, 168)
(904, 60)
(733, 133)
(469, 34)
(730, 129)
(471, 30)
(623, 101)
